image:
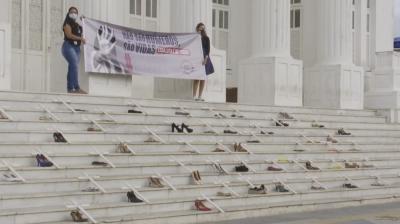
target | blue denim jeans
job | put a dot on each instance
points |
(72, 54)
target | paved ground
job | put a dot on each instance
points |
(371, 214)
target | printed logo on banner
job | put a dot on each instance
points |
(103, 56)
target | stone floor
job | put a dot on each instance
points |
(371, 214)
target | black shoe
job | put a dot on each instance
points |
(264, 133)
(351, 186)
(176, 127)
(97, 163)
(242, 168)
(253, 141)
(185, 127)
(132, 197)
(182, 113)
(42, 161)
(311, 167)
(280, 188)
(230, 132)
(58, 137)
(281, 123)
(133, 111)
(343, 132)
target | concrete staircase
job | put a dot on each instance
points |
(49, 194)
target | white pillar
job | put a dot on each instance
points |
(384, 91)
(185, 15)
(334, 81)
(5, 56)
(271, 28)
(271, 76)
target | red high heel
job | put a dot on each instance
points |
(201, 207)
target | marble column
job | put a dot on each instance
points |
(270, 76)
(384, 87)
(333, 81)
(185, 15)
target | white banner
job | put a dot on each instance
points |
(113, 49)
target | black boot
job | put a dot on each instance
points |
(178, 129)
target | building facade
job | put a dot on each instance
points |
(320, 53)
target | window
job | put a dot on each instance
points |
(221, 2)
(150, 7)
(136, 7)
(213, 17)
(17, 24)
(220, 26)
(295, 14)
(220, 14)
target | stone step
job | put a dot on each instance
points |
(166, 127)
(104, 100)
(55, 214)
(74, 159)
(140, 137)
(243, 212)
(153, 195)
(172, 168)
(16, 148)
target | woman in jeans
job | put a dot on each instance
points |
(71, 49)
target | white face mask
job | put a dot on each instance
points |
(73, 16)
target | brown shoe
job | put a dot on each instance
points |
(222, 194)
(155, 182)
(240, 148)
(351, 165)
(151, 140)
(77, 216)
(275, 169)
(196, 177)
(91, 129)
(235, 146)
(218, 150)
(123, 148)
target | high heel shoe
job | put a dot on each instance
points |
(185, 127)
(201, 207)
(132, 197)
(58, 137)
(177, 128)
(77, 216)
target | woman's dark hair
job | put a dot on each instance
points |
(203, 32)
(68, 20)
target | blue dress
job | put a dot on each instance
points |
(205, 41)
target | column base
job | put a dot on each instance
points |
(110, 85)
(214, 91)
(334, 86)
(271, 81)
(384, 86)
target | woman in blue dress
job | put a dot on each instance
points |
(205, 41)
